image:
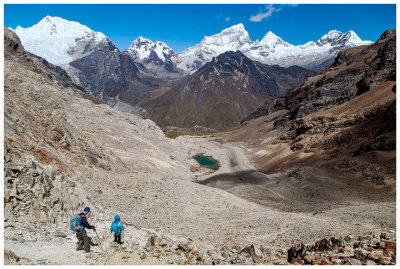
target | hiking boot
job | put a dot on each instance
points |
(78, 248)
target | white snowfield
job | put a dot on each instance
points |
(53, 38)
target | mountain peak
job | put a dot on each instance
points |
(52, 19)
(139, 42)
(351, 38)
(334, 33)
(270, 36)
(231, 38)
(142, 48)
(52, 38)
(143, 39)
(236, 30)
(271, 40)
(56, 26)
(336, 37)
(236, 27)
(330, 37)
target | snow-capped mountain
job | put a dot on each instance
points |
(89, 58)
(142, 48)
(273, 50)
(155, 58)
(231, 39)
(270, 50)
(59, 41)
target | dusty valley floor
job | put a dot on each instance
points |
(166, 193)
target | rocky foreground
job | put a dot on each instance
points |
(64, 151)
(369, 249)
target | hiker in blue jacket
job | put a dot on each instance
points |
(116, 229)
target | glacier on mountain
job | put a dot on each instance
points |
(61, 41)
(270, 50)
(53, 37)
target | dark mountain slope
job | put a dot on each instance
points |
(222, 92)
(327, 144)
(354, 72)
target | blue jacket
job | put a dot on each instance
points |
(116, 227)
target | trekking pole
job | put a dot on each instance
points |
(99, 240)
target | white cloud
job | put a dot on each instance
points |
(227, 18)
(261, 16)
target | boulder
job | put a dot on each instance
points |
(336, 242)
(151, 241)
(354, 261)
(296, 251)
(217, 258)
(297, 261)
(267, 252)
(388, 245)
(312, 259)
(296, 174)
(255, 252)
(369, 262)
(323, 244)
(8, 210)
(348, 238)
(380, 256)
(7, 197)
(184, 247)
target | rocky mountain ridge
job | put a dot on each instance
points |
(353, 72)
(222, 92)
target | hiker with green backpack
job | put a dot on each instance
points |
(78, 224)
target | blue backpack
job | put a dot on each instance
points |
(75, 222)
(115, 227)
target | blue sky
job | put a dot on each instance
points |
(183, 25)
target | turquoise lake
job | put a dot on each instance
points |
(207, 161)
